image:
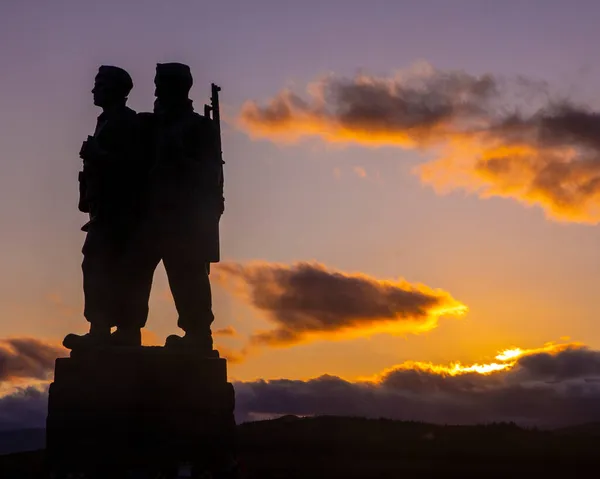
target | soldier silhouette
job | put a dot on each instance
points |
(183, 206)
(108, 193)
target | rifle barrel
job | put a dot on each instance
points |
(216, 117)
(215, 107)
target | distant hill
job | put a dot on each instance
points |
(342, 447)
(22, 440)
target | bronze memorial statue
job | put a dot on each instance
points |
(152, 184)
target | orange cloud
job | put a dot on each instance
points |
(409, 110)
(506, 360)
(485, 142)
(307, 301)
(562, 179)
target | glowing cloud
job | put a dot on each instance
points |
(485, 141)
(507, 359)
(307, 301)
(555, 385)
(558, 386)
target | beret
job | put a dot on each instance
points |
(118, 75)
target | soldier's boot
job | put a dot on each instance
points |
(98, 336)
(126, 337)
(194, 341)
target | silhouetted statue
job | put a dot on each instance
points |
(108, 193)
(184, 203)
(153, 186)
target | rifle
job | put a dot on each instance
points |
(216, 118)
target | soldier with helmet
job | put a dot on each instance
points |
(183, 206)
(110, 194)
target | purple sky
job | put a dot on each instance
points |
(525, 279)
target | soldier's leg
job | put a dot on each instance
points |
(190, 285)
(99, 307)
(135, 284)
(98, 288)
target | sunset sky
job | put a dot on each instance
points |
(407, 182)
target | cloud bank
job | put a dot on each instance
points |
(24, 362)
(490, 136)
(307, 301)
(556, 386)
(23, 409)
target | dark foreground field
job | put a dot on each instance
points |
(331, 447)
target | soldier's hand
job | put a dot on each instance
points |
(82, 150)
(91, 150)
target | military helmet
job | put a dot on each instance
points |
(176, 75)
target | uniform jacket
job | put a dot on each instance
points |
(110, 184)
(183, 177)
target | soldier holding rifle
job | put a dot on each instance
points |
(184, 203)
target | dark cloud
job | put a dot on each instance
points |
(414, 108)
(305, 300)
(495, 137)
(573, 363)
(540, 389)
(23, 409)
(27, 358)
(568, 124)
(422, 109)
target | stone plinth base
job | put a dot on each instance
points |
(147, 405)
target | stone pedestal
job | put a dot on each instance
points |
(139, 407)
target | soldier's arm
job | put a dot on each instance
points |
(83, 205)
(127, 150)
